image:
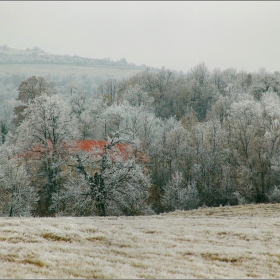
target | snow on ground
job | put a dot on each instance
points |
(222, 242)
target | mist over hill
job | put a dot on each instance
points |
(37, 56)
(62, 70)
(18, 65)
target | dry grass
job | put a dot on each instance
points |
(222, 242)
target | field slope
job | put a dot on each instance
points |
(223, 242)
(40, 63)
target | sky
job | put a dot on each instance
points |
(177, 35)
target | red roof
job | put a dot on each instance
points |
(96, 147)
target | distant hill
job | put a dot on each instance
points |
(37, 62)
(37, 55)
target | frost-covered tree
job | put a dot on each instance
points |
(263, 82)
(42, 139)
(254, 133)
(203, 93)
(109, 90)
(136, 97)
(267, 146)
(3, 130)
(179, 195)
(207, 160)
(86, 111)
(18, 197)
(274, 195)
(27, 92)
(139, 122)
(120, 187)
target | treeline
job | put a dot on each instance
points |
(209, 138)
(219, 132)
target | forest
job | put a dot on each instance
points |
(167, 141)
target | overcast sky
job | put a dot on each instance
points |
(176, 35)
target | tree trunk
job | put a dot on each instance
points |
(11, 212)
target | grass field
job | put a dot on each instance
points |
(223, 242)
(60, 69)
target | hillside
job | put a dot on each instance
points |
(37, 62)
(223, 242)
